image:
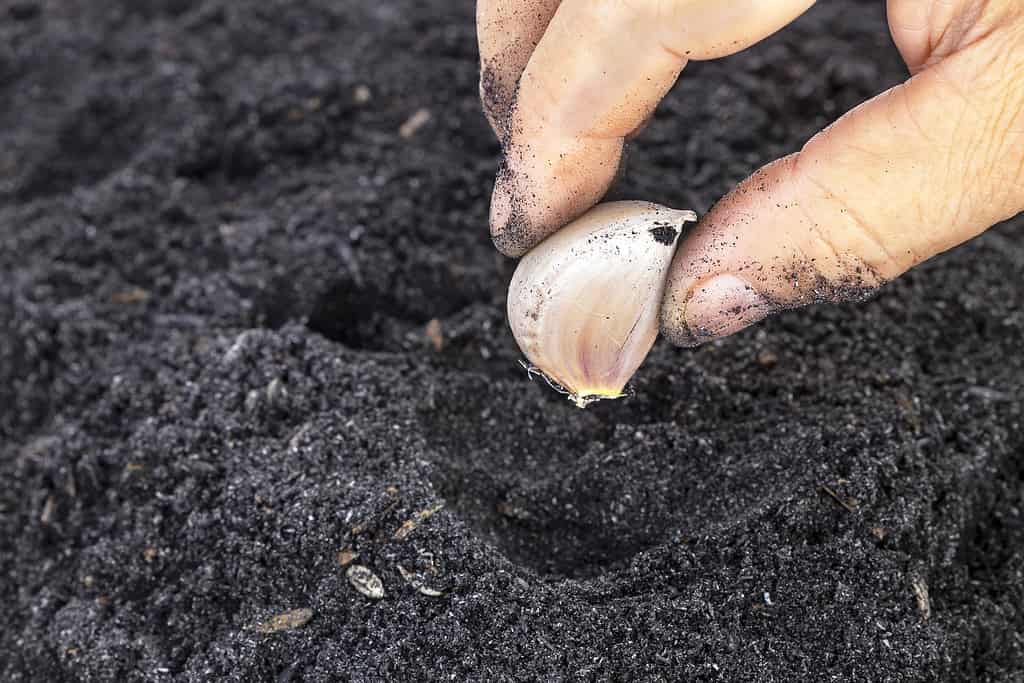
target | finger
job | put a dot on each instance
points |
(927, 31)
(596, 75)
(507, 33)
(905, 176)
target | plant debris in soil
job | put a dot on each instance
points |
(224, 230)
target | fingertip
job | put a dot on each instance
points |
(717, 307)
(513, 230)
(673, 324)
(510, 231)
(543, 185)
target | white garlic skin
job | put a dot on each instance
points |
(584, 304)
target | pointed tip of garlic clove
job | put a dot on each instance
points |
(583, 305)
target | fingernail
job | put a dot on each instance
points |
(721, 306)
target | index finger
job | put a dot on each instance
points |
(507, 32)
(598, 72)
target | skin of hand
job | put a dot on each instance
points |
(909, 174)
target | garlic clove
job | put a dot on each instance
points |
(583, 304)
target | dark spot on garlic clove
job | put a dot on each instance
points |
(665, 233)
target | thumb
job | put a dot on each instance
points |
(907, 175)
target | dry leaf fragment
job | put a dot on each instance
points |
(131, 296)
(285, 621)
(435, 335)
(924, 602)
(410, 524)
(49, 508)
(346, 556)
(767, 359)
(413, 124)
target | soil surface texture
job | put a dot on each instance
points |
(262, 419)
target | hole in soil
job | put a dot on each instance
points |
(576, 493)
(274, 304)
(531, 480)
(360, 318)
(554, 533)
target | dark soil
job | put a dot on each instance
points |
(219, 258)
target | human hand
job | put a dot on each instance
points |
(905, 176)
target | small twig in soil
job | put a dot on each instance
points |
(410, 524)
(835, 496)
(924, 603)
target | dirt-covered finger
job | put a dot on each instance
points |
(507, 33)
(597, 74)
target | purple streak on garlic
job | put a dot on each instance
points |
(584, 304)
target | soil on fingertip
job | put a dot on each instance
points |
(253, 336)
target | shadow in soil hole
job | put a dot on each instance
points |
(541, 483)
(580, 493)
(361, 318)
